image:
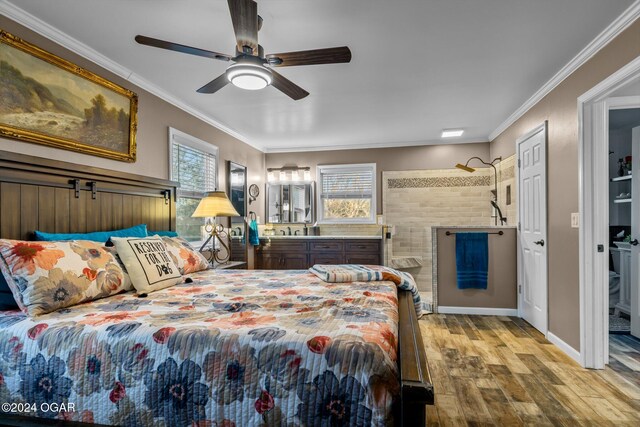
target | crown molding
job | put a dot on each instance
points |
(620, 24)
(364, 146)
(37, 25)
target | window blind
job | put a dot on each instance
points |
(194, 169)
(347, 183)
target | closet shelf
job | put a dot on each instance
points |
(622, 201)
(621, 178)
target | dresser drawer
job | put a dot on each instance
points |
(332, 258)
(282, 261)
(277, 245)
(363, 258)
(326, 246)
(363, 246)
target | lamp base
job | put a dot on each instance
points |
(217, 256)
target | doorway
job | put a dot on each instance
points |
(619, 91)
(531, 150)
(624, 206)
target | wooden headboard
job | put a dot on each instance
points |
(59, 197)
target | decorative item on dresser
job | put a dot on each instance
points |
(51, 101)
(297, 253)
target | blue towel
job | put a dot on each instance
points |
(254, 239)
(472, 260)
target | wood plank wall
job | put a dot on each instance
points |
(36, 200)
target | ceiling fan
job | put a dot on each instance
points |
(251, 69)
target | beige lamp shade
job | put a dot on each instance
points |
(215, 203)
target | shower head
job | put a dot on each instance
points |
(465, 168)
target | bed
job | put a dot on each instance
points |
(231, 348)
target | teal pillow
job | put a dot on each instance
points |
(97, 236)
(166, 233)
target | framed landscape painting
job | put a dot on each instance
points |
(47, 100)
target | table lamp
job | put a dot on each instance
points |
(214, 204)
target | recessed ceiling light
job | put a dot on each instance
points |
(452, 133)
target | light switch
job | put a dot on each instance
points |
(575, 220)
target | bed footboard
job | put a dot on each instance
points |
(416, 388)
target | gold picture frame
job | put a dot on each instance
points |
(47, 100)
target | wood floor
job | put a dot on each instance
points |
(624, 357)
(500, 371)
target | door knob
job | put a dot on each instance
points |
(541, 242)
(634, 242)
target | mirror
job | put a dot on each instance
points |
(290, 203)
(237, 192)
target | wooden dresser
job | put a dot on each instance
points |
(301, 253)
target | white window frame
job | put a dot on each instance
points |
(374, 206)
(183, 138)
(179, 137)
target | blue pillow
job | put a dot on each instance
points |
(166, 233)
(97, 236)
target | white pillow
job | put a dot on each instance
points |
(148, 263)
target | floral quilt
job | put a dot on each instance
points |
(233, 348)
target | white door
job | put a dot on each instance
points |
(532, 208)
(635, 231)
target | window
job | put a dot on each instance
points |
(347, 193)
(194, 164)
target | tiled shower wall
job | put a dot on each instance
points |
(415, 201)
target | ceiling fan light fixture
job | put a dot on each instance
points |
(249, 76)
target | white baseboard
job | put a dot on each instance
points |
(566, 348)
(482, 311)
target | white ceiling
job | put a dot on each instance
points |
(418, 66)
(627, 118)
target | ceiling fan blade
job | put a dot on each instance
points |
(332, 55)
(287, 87)
(148, 41)
(244, 16)
(215, 85)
